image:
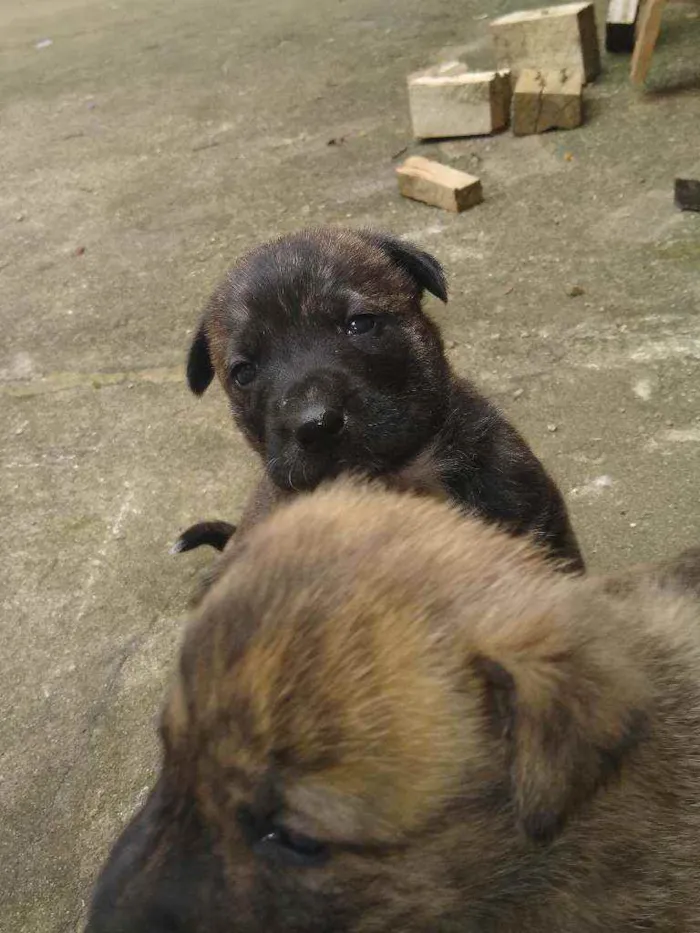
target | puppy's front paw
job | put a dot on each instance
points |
(214, 534)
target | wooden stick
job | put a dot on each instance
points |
(647, 34)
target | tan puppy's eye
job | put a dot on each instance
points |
(270, 840)
(243, 373)
(362, 324)
(293, 848)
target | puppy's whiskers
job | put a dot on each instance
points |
(290, 471)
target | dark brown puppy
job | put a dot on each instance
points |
(375, 729)
(330, 366)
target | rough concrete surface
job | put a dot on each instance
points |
(144, 149)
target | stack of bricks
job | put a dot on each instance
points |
(551, 52)
(544, 58)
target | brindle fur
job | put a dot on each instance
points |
(408, 418)
(478, 743)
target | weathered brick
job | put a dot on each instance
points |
(439, 185)
(459, 104)
(546, 100)
(553, 37)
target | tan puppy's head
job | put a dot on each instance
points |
(387, 717)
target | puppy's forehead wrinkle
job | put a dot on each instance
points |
(313, 266)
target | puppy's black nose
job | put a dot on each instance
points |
(319, 425)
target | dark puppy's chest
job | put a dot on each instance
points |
(456, 476)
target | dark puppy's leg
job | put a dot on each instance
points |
(683, 572)
(263, 500)
(552, 530)
(490, 469)
(680, 573)
(215, 534)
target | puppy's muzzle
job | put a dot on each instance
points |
(313, 411)
(319, 426)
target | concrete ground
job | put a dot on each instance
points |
(144, 149)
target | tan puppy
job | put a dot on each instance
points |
(392, 718)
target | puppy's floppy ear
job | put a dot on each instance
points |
(568, 715)
(200, 370)
(423, 268)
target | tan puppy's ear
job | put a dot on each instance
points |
(569, 714)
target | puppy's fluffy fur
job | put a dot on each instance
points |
(375, 728)
(330, 366)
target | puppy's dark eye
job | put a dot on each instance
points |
(243, 373)
(361, 324)
(293, 848)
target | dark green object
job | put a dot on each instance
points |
(687, 194)
(621, 25)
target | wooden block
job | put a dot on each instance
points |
(552, 37)
(647, 34)
(547, 100)
(621, 25)
(687, 194)
(459, 104)
(444, 69)
(439, 185)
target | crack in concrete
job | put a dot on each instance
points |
(66, 381)
(540, 100)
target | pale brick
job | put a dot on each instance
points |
(439, 185)
(459, 104)
(553, 37)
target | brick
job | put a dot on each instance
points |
(551, 38)
(547, 100)
(459, 104)
(621, 25)
(439, 185)
(444, 69)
